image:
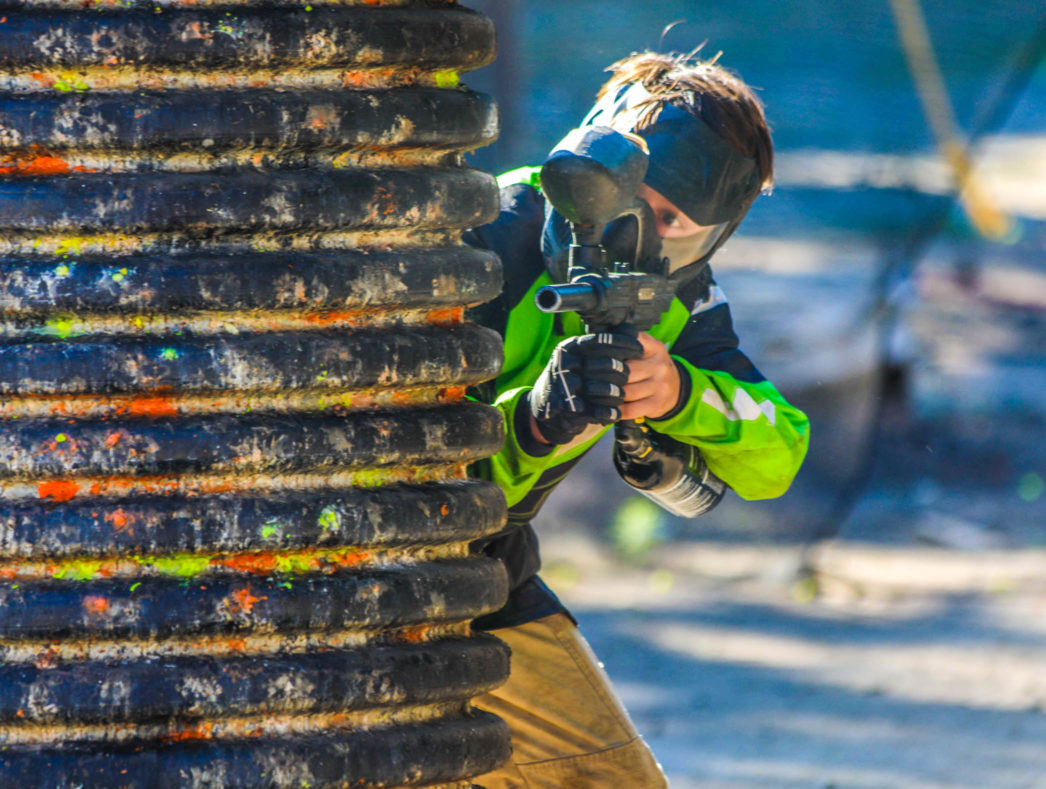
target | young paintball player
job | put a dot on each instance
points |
(561, 388)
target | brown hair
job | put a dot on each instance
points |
(706, 90)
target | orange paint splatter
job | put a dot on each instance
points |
(444, 510)
(364, 400)
(115, 486)
(354, 78)
(118, 519)
(236, 644)
(37, 165)
(348, 558)
(57, 489)
(339, 317)
(44, 79)
(413, 635)
(383, 198)
(244, 601)
(446, 316)
(257, 563)
(202, 731)
(152, 406)
(94, 604)
(112, 439)
(451, 394)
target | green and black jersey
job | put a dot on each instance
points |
(749, 436)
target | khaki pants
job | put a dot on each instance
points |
(569, 730)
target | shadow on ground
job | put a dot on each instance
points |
(738, 694)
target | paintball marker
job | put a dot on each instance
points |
(591, 179)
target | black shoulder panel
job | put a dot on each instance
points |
(708, 342)
(516, 238)
(695, 288)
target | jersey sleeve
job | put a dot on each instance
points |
(512, 468)
(748, 434)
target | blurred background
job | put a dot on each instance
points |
(902, 577)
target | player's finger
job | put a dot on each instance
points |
(605, 415)
(607, 369)
(634, 392)
(615, 345)
(603, 393)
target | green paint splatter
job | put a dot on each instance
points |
(372, 477)
(181, 565)
(61, 438)
(322, 376)
(169, 354)
(271, 529)
(330, 519)
(78, 570)
(62, 270)
(135, 585)
(1031, 487)
(292, 564)
(447, 79)
(61, 327)
(287, 585)
(69, 83)
(119, 276)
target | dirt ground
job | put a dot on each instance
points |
(892, 667)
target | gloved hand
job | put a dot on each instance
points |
(583, 383)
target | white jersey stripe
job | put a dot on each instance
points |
(715, 298)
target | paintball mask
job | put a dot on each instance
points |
(691, 165)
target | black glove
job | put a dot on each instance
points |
(583, 383)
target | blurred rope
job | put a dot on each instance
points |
(929, 82)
